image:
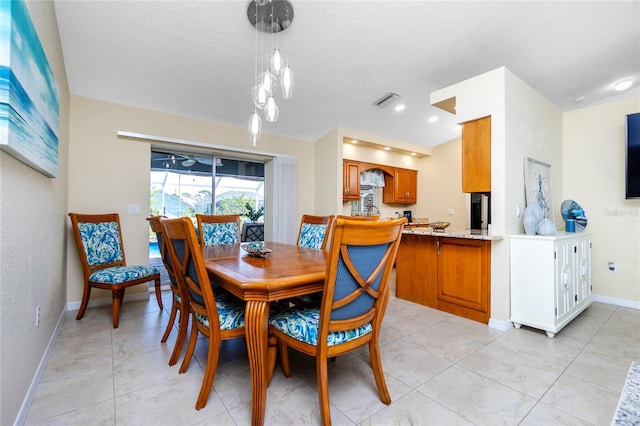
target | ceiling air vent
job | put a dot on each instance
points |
(386, 99)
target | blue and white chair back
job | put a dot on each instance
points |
(314, 231)
(218, 229)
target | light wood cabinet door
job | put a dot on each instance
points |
(350, 181)
(403, 188)
(476, 155)
(463, 277)
(416, 269)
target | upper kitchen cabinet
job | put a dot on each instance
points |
(350, 180)
(401, 188)
(476, 155)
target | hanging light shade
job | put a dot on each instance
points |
(286, 81)
(259, 96)
(276, 62)
(267, 79)
(255, 127)
(271, 110)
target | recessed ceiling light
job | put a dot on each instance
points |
(433, 119)
(386, 148)
(354, 141)
(579, 99)
(399, 107)
(623, 85)
(413, 153)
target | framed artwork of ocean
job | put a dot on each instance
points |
(29, 100)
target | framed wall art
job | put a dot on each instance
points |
(537, 185)
(29, 100)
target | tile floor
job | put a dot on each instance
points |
(440, 370)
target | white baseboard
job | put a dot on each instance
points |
(500, 325)
(106, 301)
(625, 303)
(33, 387)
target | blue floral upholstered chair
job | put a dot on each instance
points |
(218, 229)
(180, 297)
(354, 299)
(218, 316)
(314, 231)
(99, 242)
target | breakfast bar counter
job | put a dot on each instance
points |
(449, 270)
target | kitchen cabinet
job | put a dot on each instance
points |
(350, 180)
(446, 273)
(476, 155)
(550, 279)
(401, 188)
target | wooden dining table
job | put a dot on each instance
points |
(287, 271)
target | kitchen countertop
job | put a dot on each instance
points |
(472, 234)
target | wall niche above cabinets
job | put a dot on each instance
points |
(401, 185)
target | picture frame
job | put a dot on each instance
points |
(29, 98)
(537, 185)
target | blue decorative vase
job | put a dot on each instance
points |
(546, 227)
(533, 214)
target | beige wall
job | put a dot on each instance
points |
(107, 172)
(33, 211)
(594, 155)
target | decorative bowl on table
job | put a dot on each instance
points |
(256, 249)
(439, 226)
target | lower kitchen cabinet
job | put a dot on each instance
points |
(550, 279)
(445, 273)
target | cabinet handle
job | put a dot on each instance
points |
(438, 248)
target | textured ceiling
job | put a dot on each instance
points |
(197, 58)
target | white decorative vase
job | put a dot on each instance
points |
(533, 214)
(546, 227)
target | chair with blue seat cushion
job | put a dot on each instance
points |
(354, 299)
(180, 297)
(218, 229)
(314, 231)
(217, 316)
(99, 242)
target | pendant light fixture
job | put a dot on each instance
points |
(269, 17)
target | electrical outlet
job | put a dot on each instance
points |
(37, 315)
(134, 209)
(451, 212)
(518, 210)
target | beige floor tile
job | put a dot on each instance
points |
(440, 340)
(100, 414)
(144, 370)
(415, 409)
(61, 393)
(131, 344)
(585, 400)
(476, 398)
(607, 370)
(546, 415)
(170, 403)
(410, 364)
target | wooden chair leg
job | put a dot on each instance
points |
(85, 301)
(378, 374)
(284, 358)
(209, 373)
(273, 350)
(193, 337)
(323, 391)
(183, 324)
(158, 292)
(117, 297)
(172, 320)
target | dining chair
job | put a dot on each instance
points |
(218, 229)
(217, 316)
(314, 231)
(180, 297)
(372, 218)
(99, 243)
(252, 232)
(354, 300)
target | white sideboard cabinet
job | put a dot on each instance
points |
(550, 279)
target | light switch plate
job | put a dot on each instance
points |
(451, 212)
(134, 208)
